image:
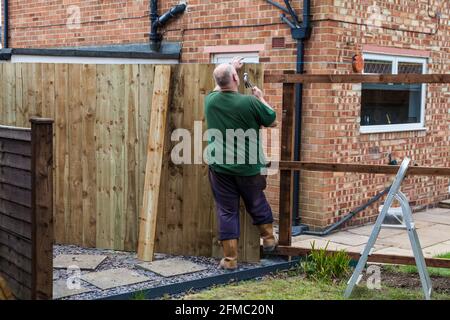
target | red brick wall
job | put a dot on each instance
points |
(331, 112)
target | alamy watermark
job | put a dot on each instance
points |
(235, 146)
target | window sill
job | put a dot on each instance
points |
(391, 128)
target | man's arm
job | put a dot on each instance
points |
(260, 96)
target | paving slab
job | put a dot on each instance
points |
(437, 249)
(82, 261)
(435, 218)
(395, 251)
(319, 244)
(347, 238)
(172, 267)
(359, 249)
(114, 278)
(62, 290)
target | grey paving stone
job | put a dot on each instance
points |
(172, 267)
(114, 278)
(82, 261)
(61, 290)
(319, 244)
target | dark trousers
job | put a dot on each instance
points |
(228, 190)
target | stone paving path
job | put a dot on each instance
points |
(433, 228)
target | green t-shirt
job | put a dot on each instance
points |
(234, 121)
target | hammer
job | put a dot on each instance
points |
(247, 82)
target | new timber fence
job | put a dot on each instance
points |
(102, 118)
(26, 209)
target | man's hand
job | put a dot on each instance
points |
(237, 63)
(257, 93)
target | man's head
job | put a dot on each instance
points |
(226, 77)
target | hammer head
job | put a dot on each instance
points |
(247, 82)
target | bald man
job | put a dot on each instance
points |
(237, 161)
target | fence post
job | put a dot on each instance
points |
(42, 208)
(286, 176)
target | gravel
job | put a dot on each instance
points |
(120, 259)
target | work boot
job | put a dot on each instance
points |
(230, 253)
(270, 242)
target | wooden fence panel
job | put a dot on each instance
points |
(102, 118)
(26, 209)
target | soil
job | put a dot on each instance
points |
(411, 281)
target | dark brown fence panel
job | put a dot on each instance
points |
(26, 227)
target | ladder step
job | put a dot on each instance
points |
(394, 226)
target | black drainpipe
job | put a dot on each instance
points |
(300, 32)
(159, 21)
(6, 24)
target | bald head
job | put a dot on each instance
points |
(226, 76)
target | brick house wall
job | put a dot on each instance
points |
(330, 130)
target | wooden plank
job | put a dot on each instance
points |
(5, 291)
(9, 94)
(42, 208)
(286, 177)
(15, 146)
(362, 168)
(15, 177)
(357, 78)
(14, 194)
(103, 154)
(15, 133)
(158, 123)
(117, 128)
(88, 162)
(15, 211)
(19, 290)
(16, 243)
(15, 258)
(15, 161)
(61, 160)
(131, 183)
(74, 224)
(375, 257)
(15, 226)
(146, 81)
(21, 276)
(21, 109)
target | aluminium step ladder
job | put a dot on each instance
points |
(406, 223)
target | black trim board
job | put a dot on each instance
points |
(232, 276)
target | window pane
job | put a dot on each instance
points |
(384, 104)
(410, 67)
(377, 66)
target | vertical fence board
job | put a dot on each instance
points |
(88, 165)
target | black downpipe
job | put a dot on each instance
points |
(301, 35)
(6, 24)
(159, 21)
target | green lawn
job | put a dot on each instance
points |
(284, 287)
(291, 286)
(443, 272)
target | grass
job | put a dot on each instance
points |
(442, 272)
(284, 287)
(307, 282)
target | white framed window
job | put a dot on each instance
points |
(249, 57)
(392, 107)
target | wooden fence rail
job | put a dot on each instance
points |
(26, 209)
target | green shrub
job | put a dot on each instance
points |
(321, 265)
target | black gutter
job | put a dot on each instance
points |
(6, 24)
(159, 21)
(226, 278)
(168, 51)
